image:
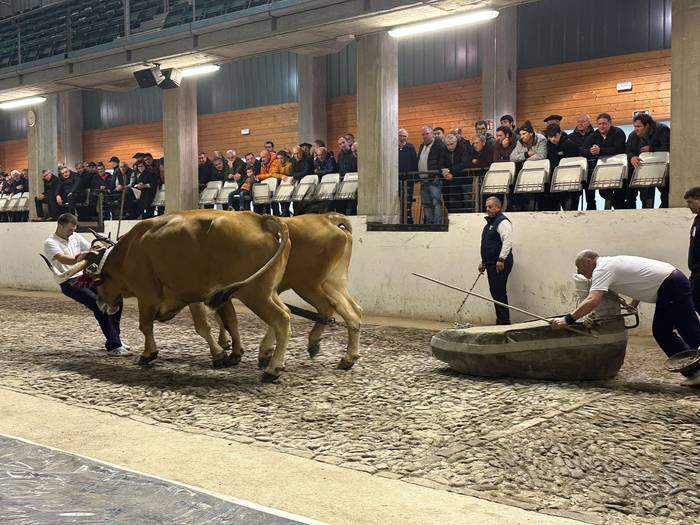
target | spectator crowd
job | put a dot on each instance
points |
(131, 188)
(446, 164)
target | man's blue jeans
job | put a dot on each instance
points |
(108, 323)
(431, 200)
(239, 199)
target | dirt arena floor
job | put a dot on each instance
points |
(624, 451)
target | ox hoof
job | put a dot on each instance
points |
(226, 345)
(263, 361)
(314, 350)
(346, 365)
(267, 377)
(147, 359)
(219, 361)
(232, 359)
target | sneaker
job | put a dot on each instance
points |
(124, 345)
(120, 351)
(693, 380)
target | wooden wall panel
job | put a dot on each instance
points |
(455, 104)
(590, 87)
(222, 131)
(123, 141)
(13, 155)
(217, 132)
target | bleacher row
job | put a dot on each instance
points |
(610, 173)
(329, 188)
(79, 24)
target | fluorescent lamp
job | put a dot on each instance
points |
(22, 102)
(444, 23)
(200, 70)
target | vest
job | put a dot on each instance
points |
(491, 243)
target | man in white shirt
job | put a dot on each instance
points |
(497, 255)
(649, 281)
(64, 248)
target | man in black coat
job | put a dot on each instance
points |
(430, 164)
(692, 199)
(605, 141)
(66, 182)
(556, 150)
(648, 135)
(48, 196)
(456, 158)
(147, 186)
(572, 148)
(204, 170)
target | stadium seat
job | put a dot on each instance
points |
(305, 189)
(263, 191)
(284, 192)
(327, 187)
(4, 201)
(609, 173)
(347, 191)
(569, 175)
(11, 206)
(227, 188)
(532, 177)
(652, 172)
(159, 199)
(498, 178)
(208, 196)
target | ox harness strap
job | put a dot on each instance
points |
(313, 316)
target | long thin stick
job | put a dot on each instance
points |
(510, 307)
(467, 296)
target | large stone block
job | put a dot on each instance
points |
(534, 350)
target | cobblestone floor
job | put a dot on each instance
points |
(625, 451)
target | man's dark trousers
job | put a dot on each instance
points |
(108, 323)
(497, 287)
(675, 310)
(695, 284)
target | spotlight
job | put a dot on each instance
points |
(444, 23)
(22, 102)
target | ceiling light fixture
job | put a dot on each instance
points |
(200, 70)
(444, 23)
(22, 102)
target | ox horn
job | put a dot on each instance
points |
(101, 237)
(70, 272)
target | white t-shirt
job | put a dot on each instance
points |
(73, 246)
(423, 157)
(635, 277)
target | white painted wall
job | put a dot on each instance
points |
(380, 275)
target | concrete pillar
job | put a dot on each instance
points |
(685, 99)
(180, 146)
(312, 86)
(70, 127)
(377, 127)
(42, 145)
(499, 66)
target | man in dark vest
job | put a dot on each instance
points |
(692, 198)
(497, 255)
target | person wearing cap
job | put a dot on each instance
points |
(675, 326)
(530, 145)
(65, 248)
(556, 150)
(553, 119)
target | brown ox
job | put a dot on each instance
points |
(191, 257)
(317, 270)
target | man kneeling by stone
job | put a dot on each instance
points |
(649, 281)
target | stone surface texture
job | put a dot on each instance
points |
(620, 451)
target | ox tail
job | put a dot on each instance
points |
(341, 221)
(279, 230)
